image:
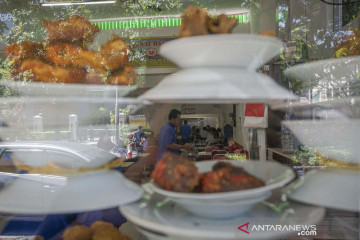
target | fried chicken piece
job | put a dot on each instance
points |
(40, 71)
(225, 178)
(221, 24)
(125, 77)
(26, 50)
(76, 28)
(115, 53)
(193, 22)
(65, 55)
(78, 232)
(176, 173)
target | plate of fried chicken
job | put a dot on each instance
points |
(217, 189)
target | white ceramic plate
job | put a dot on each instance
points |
(335, 69)
(335, 139)
(216, 85)
(246, 51)
(332, 188)
(275, 175)
(57, 90)
(49, 194)
(170, 221)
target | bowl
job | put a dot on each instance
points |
(246, 51)
(229, 204)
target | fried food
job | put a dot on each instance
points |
(115, 53)
(39, 71)
(26, 50)
(196, 21)
(176, 173)
(100, 225)
(125, 77)
(221, 24)
(78, 232)
(68, 55)
(74, 29)
(225, 178)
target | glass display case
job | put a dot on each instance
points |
(257, 101)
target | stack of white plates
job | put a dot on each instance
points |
(219, 69)
(336, 139)
(170, 221)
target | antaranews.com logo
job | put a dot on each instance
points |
(302, 230)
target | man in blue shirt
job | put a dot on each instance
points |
(139, 137)
(228, 133)
(167, 136)
(185, 132)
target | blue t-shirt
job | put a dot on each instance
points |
(138, 135)
(167, 136)
(185, 132)
(228, 131)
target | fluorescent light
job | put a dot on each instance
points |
(52, 4)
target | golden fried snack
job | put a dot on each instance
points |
(221, 24)
(100, 225)
(77, 28)
(115, 53)
(40, 71)
(193, 22)
(108, 234)
(125, 77)
(65, 55)
(26, 50)
(78, 232)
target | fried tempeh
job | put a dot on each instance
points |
(41, 71)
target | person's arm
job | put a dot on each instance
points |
(170, 138)
(179, 147)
